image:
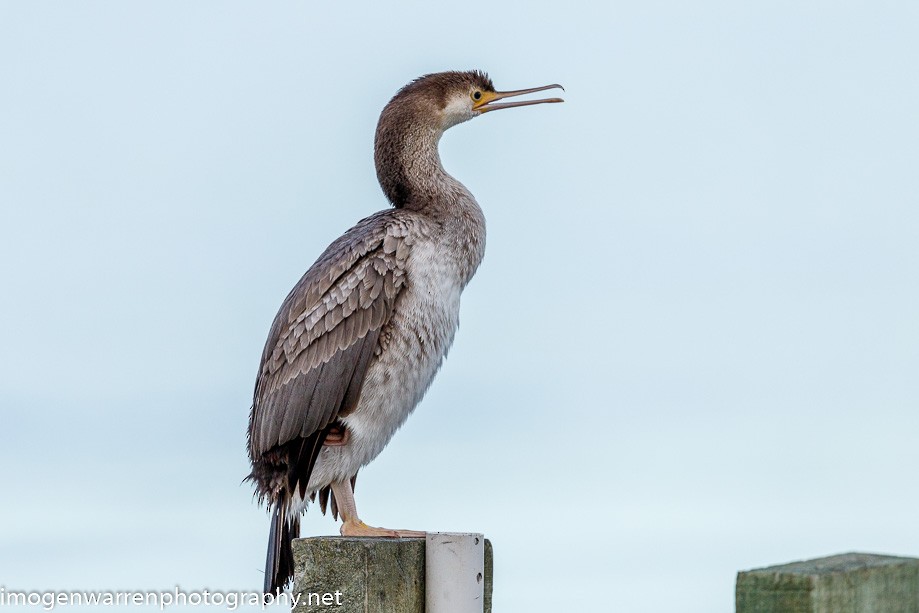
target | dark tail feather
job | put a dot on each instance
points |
(279, 565)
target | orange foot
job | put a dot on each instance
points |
(356, 527)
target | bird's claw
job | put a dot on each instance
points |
(359, 528)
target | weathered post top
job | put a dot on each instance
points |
(845, 583)
(369, 575)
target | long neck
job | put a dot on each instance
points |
(408, 164)
(410, 173)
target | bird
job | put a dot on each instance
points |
(359, 339)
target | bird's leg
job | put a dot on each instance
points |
(351, 523)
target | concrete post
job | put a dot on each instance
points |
(366, 575)
(847, 583)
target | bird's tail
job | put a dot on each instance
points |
(279, 565)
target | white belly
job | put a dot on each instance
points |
(413, 346)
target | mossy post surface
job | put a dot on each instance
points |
(365, 575)
(846, 583)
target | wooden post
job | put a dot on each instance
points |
(366, 575)
(847, 583)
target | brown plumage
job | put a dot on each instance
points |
(358, 340)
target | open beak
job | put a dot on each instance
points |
(486, 102)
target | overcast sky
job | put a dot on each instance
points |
(692, 348)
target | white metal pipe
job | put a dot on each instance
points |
(454, 572)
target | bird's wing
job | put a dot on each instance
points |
(325, 334)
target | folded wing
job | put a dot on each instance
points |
(322, 341)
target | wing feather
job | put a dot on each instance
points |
(324, 336)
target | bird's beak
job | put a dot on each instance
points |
(485, 103)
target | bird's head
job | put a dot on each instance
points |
(405, 147)
(449, 98)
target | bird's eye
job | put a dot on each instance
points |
(477, 95)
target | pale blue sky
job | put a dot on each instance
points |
(693, 346)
